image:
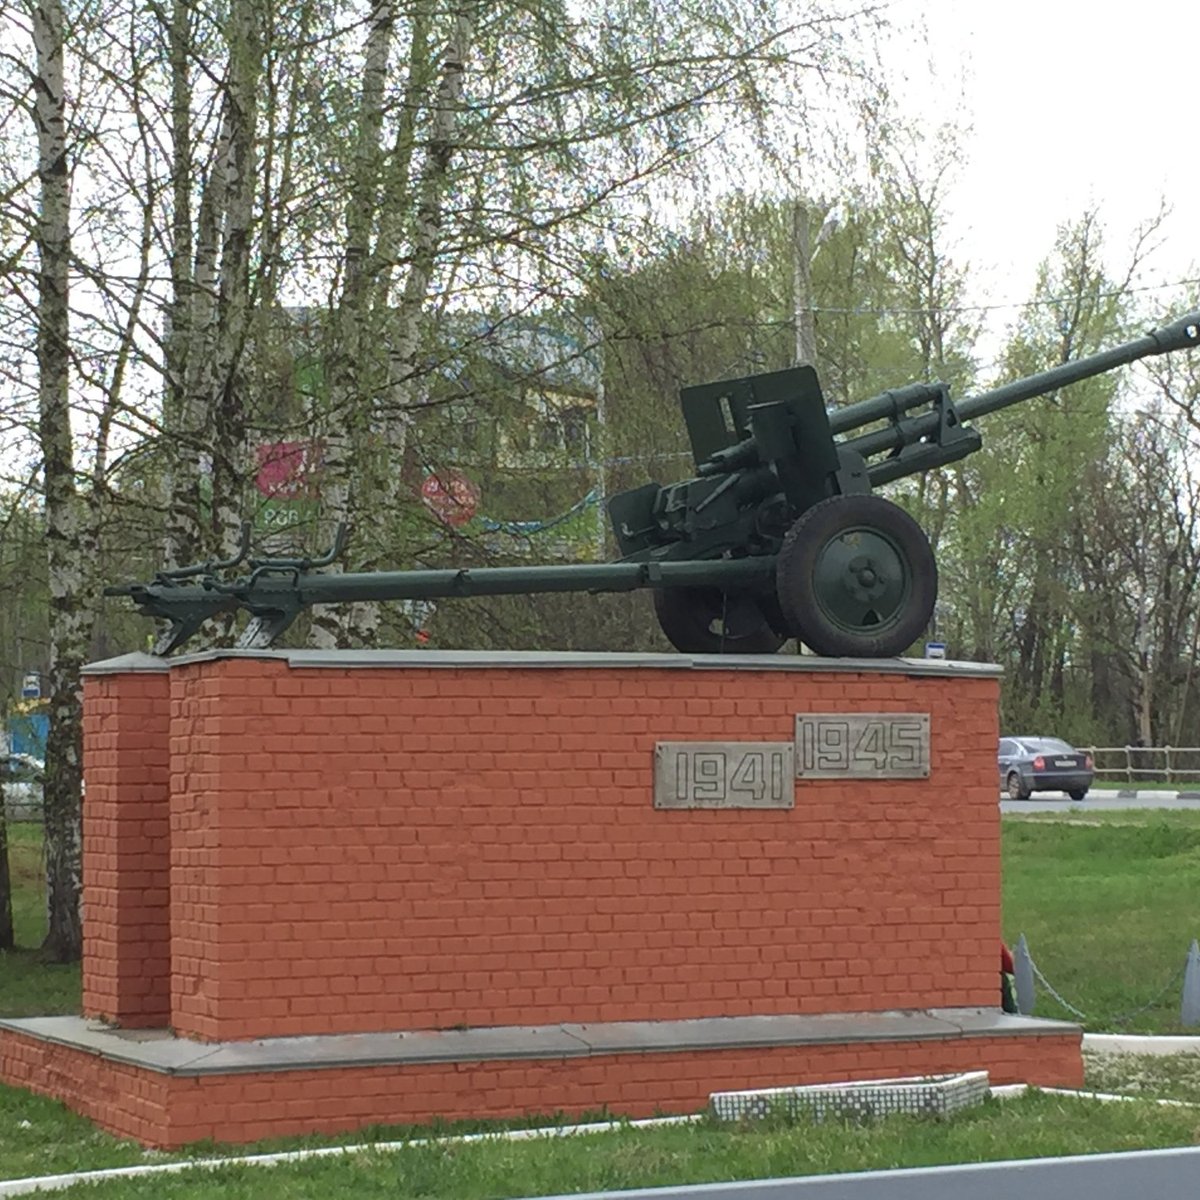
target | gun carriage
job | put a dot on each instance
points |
(777, 535)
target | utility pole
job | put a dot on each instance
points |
(802, 316)
(804, 252)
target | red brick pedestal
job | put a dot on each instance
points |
(365, 844)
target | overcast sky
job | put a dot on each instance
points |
(1070, 104)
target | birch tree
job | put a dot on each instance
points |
(483, 154)
(210, 256)
(391, 164)
(65, 543)
(74, 367)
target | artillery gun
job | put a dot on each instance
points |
(777, 535)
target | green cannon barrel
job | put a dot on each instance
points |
(887, 406)
(267, 591)
(1179, 335)
(274, 597)
(511, 581)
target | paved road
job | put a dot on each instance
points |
(1098, 801)
(1155, 1174)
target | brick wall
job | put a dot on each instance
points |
(366, 849)
(126, 1100)
(126, 904)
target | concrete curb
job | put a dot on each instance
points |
(1143, 794)
(1138, 794)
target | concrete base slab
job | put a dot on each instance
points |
(169, 1091)
(161, 1051)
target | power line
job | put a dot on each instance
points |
(863, 310)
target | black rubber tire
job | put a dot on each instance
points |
(709, 621)
(1015, 790)
(1078, 794)
(795, 578)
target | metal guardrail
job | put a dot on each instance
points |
(21, 810)
(1147, 764)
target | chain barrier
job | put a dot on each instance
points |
(1050, 988)
(1120, 1018)
(1176, 979)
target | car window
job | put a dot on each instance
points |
(1007, 746)
(1038, 745)
(1053, 745)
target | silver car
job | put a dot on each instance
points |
(1042, 764)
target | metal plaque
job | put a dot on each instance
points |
(862, 745)
(724, 775)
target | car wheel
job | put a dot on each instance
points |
(1078, 793)
(1016, 791)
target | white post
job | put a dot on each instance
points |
(1189, 1013)
(1023, 971)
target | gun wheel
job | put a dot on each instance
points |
(709, 621)
(856, 577)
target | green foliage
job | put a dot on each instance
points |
(1041, 563)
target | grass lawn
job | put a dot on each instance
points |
(29, 987)
(1163, 1076)
(1105, 900)
(1035, 1125)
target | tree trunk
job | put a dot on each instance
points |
(8, 939)
(211, 304)
(346, 436)
(426, 241)
(181, 424)
(227, 400)
(67, 564)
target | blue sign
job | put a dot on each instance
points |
(28, 728)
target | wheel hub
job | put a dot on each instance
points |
(862, 579)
